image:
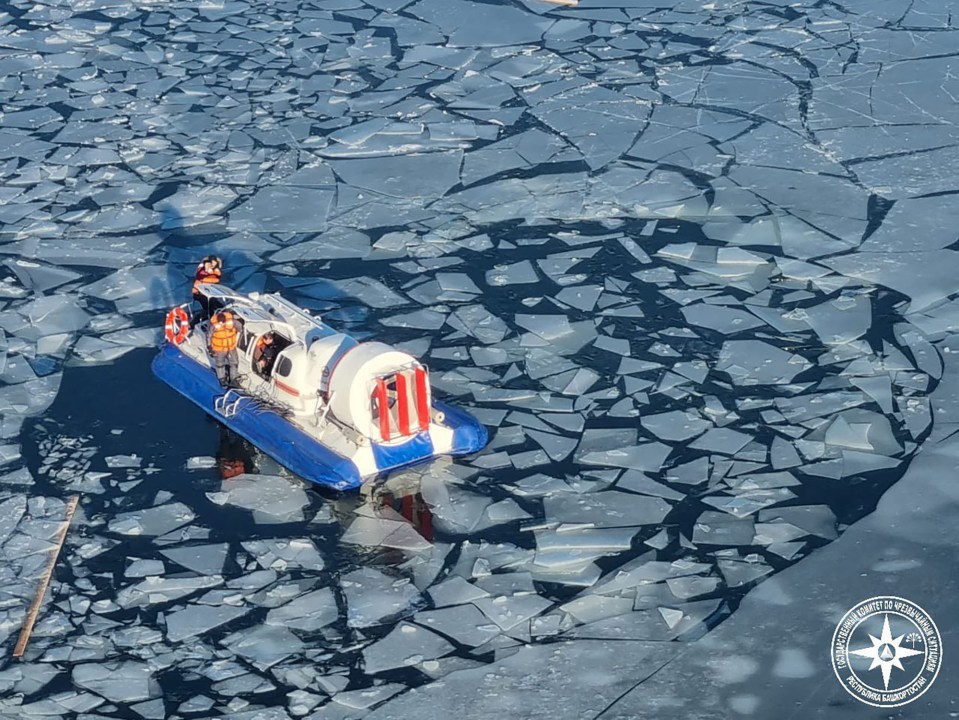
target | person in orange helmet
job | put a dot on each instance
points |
(223, 339)
(210, 270)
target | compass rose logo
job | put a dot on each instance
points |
(886, 651)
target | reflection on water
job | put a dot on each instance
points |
(374, 515)
(235, 455)
(413, 508)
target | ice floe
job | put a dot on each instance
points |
(690, 266)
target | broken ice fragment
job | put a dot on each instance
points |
(725, 441)
(283, 553)
(817, 520)
(122, 683)
(202, 559)
(675, 425)
(716, 528)
(272, 498)
(592, 608)
(385, 528)
(310, 612)
(264, 646)
(753, 362)
(152, 521)
(463, 623)
(372, 596)
(406, 645)
(363, 699)
(143, 568)
(195, 620)
(606, 509)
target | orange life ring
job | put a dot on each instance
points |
(177, 325)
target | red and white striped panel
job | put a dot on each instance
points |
(410, 411)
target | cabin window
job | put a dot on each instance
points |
(284, 366)
(244, 342)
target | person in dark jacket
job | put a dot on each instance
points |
(265, 354)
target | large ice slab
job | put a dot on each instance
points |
(272, 498)
(123, 682)
(373, 596)
(606, 509)
(152, 521)
(198, 619)
(527, 683)
(407, 645)
(310, 611)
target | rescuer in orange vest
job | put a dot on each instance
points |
(210, 270)
(223, 339)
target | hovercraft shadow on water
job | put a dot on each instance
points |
(329, 408)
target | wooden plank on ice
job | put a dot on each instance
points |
(34, 610)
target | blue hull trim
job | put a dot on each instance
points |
(275, 436)
(293, 448)
(469, 434)
(417, 449)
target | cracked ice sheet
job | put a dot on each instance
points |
(202, 559)
(660, 194)
(160, 589)
(723, 664)
(828, 203)
(925, 277)
(283, 209)
(745, 88)
(528, 683)
(569, 550)
(264, 646)
(284, 553)
(138, 289)
(463, 623)
(436, 173)
(527, 149)
(309, 612)
(917, 173)
(576, 112)
(107, 252)
(554, 196)
(922, 224)
(762, 25)
(477, 25)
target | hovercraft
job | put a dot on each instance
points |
(333, 410)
